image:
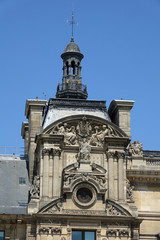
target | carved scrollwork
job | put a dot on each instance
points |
(35, 188)
(98, 180)
(123, 233)
(113, 210)
(54, 207)
(50, 230)
(56, 231)
(111, 232)
(44, 230)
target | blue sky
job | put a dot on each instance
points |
(120, 40)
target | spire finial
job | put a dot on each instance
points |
(72, 22)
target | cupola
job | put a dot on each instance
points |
(72, 86)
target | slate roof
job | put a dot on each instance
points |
(13, 190)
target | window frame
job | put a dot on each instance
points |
(22, 181)
(83, 232)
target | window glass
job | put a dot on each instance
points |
(76, 235)
(89, 235)
(83, 235)
(22, 180)
(1, 235)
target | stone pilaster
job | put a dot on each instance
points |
(45, 173)
(120, 157)
(110, 157)
(50, 174)
(56, 183)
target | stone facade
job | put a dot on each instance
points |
(85, 172)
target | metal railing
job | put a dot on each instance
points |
(11, 151)
(72, 85)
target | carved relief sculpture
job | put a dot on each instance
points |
(129, 192)
(113, 211)
(135, 149)
(35, 188)
(94, 133)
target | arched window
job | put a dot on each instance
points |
(67, 68)
(78, 70)
(72, 68)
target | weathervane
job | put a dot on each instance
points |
(72, 22)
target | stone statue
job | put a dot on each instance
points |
(129, 190)
(97, 138)
(35, 188)
(135, 149)
(70, 136)
(84, 150)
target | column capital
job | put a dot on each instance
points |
(45, 152)
(56, 151)
(110, 154)
(119, 155)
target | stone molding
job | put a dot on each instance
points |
(149, 177)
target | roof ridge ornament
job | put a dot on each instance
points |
(72, 22)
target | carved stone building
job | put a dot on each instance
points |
(88, 181)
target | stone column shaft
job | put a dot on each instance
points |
(45, 192)
(110, 156)
(56, 184)
(50, 175)
(120, 176)
(41, 174)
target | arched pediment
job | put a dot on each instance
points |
(53, 207)
(94, 129)
(116, 210)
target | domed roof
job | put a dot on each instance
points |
(72, 47)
